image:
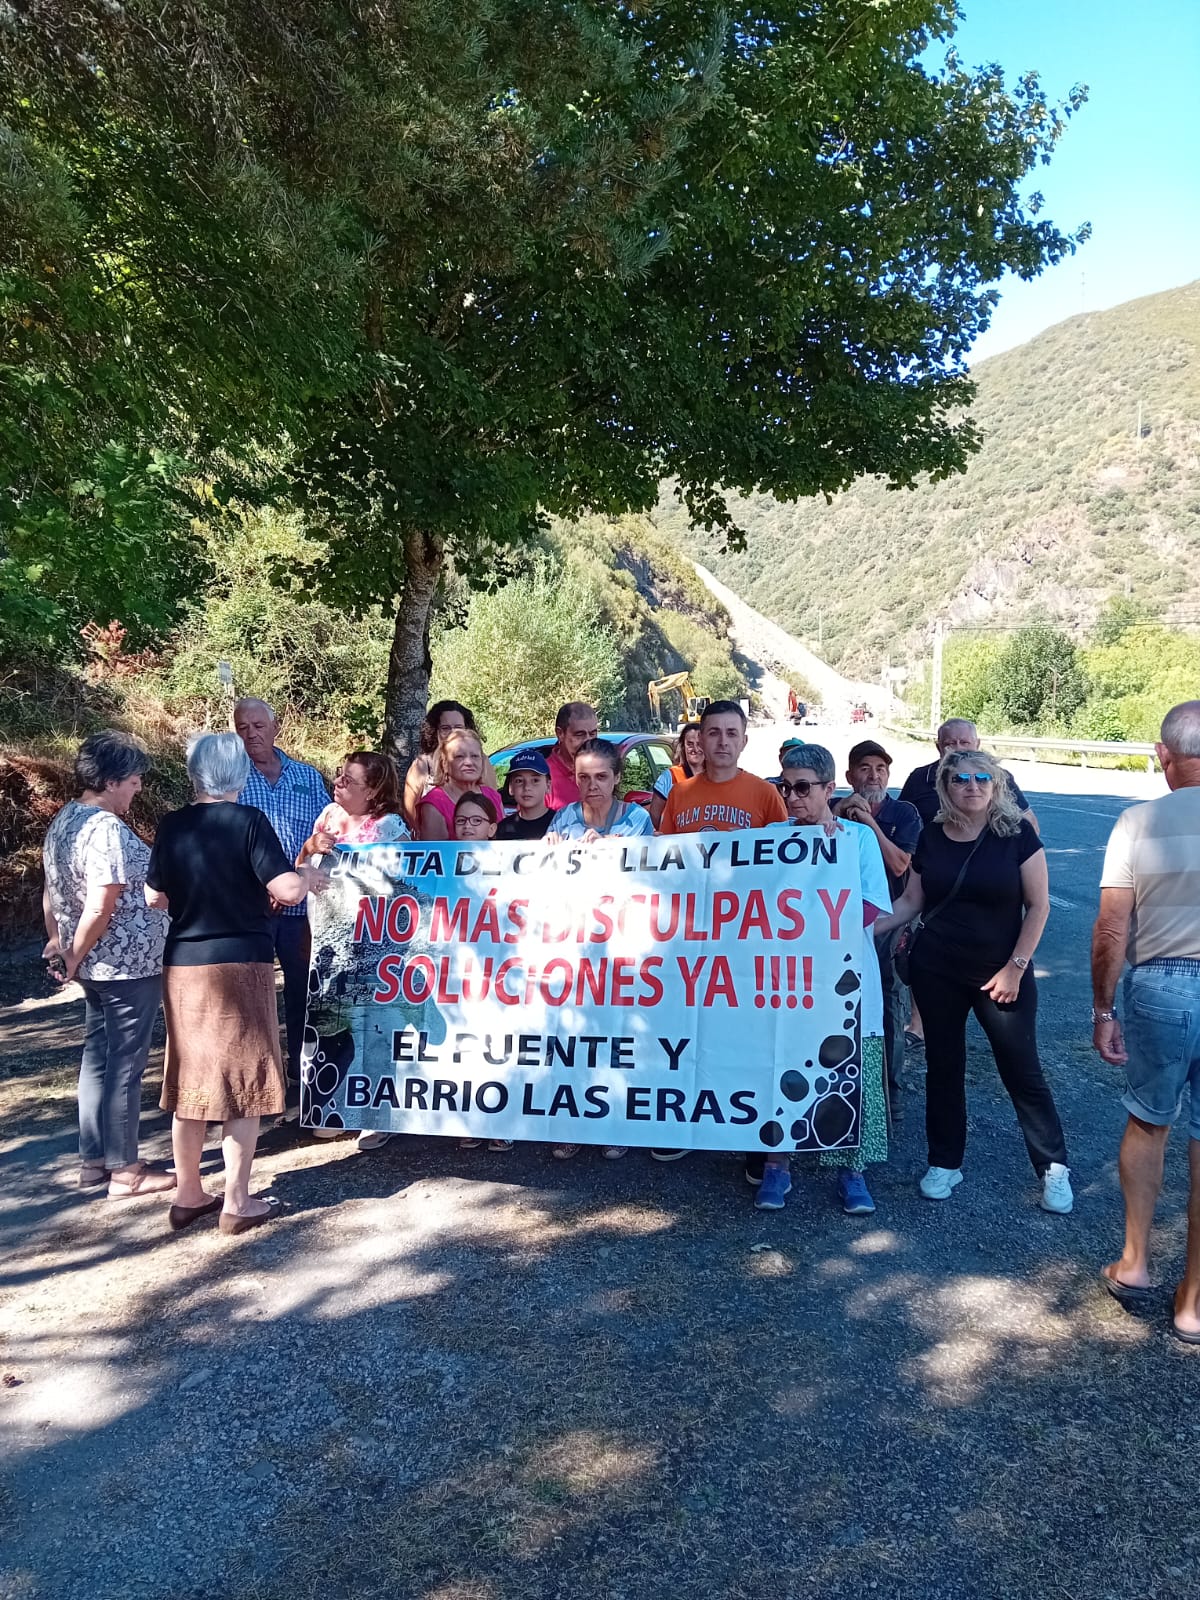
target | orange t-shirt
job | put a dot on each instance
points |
(697, 805)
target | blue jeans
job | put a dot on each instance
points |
(1162, 1037)
(118, 1022)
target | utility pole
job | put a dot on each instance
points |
(935, 692)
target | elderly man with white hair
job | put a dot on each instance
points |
(292, 795)
(1150, 917)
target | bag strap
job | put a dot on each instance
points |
(927, 918)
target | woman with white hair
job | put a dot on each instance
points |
(215, 867)
(980, 887)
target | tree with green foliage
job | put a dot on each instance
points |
(527, 649)
(1038, 677)
(450, 268)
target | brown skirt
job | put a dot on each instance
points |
(223, 1057)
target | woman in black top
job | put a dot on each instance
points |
(974, 953)
(215, 867)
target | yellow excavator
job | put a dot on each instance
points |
(692, 703)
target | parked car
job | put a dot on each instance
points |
(646, 756)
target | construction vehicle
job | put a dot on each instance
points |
(692, 703)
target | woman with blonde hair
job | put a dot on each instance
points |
(458, 766)
(980, 891)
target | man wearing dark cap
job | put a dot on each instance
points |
(527, 785)
(897, 826)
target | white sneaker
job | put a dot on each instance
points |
(327, 1133)
(373, 1139)
(1056, 1189)
(939, 1183)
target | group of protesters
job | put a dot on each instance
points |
(954, 886)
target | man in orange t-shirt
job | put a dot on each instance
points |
(721, 799)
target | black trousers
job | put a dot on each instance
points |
(293, 947)
(945, 1004)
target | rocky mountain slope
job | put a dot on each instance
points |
(1067, 503)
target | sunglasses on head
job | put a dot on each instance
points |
(802, 786)
(970, 777)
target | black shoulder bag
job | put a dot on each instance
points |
(911, 932)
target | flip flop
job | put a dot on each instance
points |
(1126, 1291)
(1183, 1337)
(145, 1181)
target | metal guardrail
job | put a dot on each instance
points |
(1083, 748)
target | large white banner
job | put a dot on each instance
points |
(699, 991)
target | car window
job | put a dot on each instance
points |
(640, 772)
(660, 755)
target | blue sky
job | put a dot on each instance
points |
(1129, 162)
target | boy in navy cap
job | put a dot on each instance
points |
(528, 785)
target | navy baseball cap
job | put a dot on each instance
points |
(529, 761)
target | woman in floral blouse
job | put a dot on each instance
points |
(102, 932)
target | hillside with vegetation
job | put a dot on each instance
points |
(1066, 505)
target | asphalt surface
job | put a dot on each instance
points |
(446, 1375)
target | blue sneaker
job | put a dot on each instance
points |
(774, 1189)
(854, 1194)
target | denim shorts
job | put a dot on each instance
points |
(1162, 1037)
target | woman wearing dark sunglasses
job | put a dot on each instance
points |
(980, 885)
(806, 784)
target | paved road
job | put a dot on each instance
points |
(447, 1375)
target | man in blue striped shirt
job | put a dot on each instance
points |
(293, 795)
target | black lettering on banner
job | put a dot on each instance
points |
(742, 1101)
(564, 1052)
(674, 1051)
(825, 849)
(596, 1096)
(528, 1108)
(707, 1105)
(459, 1040)
(708, 851)
(791, 852)
(358, 1090)
(445, 1094)
(385, 1093)
(621, 1054)
(564, 1101)
(494, 1091)
(402, 1046)
(637, 1104)
(670, 1101)
(416, 1091)
(528, 1050)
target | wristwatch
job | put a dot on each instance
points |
(1020, 961)
(1103, 1016)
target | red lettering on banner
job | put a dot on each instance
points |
(557, 967)
(388, 974)
(788, 905)
(623, 973)
(505, 996)
(690, 931)
(720, 983)
(648, 972)
(592, 976)
(657, 930)
(487, 923)
(754, 918)
(690, 976)
(445, 924)
(834, 910)
(403, 919)
(517, 920)
(602, 930)
(368, 920)
(724, 910)
(417, 980)
(446, 994)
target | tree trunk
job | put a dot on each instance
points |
(409, 664)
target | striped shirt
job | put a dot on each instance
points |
(1155, 851)
(292, 804)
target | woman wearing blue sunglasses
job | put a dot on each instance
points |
(980, 888)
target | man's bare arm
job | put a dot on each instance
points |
(1110, 939)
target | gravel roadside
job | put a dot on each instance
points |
(447, 1375)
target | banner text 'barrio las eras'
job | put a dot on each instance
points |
(698, 991)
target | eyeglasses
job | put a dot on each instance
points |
(802, 786)
(970, 777)
(466, 820)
